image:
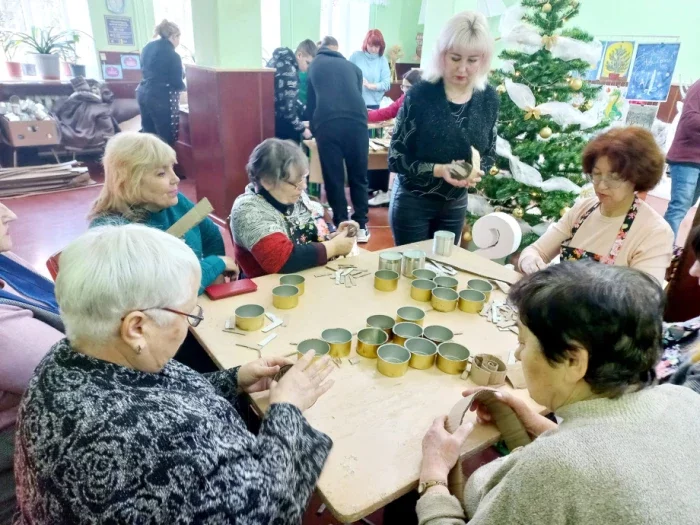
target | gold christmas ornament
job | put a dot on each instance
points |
(546, 132)
(534, 194)
(518, 213)
(589, 104)
(574, 3)
(494, 170)
(547, 8)
(564, 211)
(576, 84)
(501, 88)
(467, 236)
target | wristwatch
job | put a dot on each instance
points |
(425, 485)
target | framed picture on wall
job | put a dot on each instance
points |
(116, 6)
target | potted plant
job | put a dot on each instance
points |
(10, 44)
(70, 57)
(47, 47)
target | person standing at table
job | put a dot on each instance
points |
(158, 94)
(376, 75)
(442, 119)
(684, 159)
(288, 66)
(338, 118)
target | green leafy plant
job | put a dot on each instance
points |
(10, 44)
(619, 61)
(46, 42)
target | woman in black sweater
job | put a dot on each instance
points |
(158, 93)
(440, 122)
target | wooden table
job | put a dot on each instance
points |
(377, 160)
(376, 423)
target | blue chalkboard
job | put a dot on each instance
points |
(652, 72)
(120, 31)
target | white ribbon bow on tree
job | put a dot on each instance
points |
(525, 38)
(562, 113)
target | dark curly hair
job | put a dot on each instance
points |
(614, 312)
(633, 154)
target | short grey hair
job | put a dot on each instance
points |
(465, 32)
(273, 159)
(112, 270)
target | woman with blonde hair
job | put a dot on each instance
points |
(141, 186)
(158, 93)
(443, 121)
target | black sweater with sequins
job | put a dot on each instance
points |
(431, 130)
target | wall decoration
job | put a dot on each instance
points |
(131, 62)
(594, 72)
(116, 6)
(617, 105)
(617, 61)
(652, 72)
(641, 115)
(112, 72)
(120, 31)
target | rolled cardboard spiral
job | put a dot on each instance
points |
(506, 420)
(488, 370)
(497, 235)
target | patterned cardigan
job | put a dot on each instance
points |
(271, 237)
(101, 443)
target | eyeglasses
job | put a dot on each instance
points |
(194, 318)
(301, 184)
(612, 181)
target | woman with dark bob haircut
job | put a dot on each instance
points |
(615, 226)
(589, 336)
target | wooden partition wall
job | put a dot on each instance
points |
(230, 112)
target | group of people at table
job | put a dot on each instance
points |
(106, 425)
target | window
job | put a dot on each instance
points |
(62, 15)
(347, 21)
(180, 12)
(270, 28)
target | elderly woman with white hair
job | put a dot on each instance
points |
(441, 121)
(141, 186)
(112, 430)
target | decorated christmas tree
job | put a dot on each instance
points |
(548, 113)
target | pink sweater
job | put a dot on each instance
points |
(24, 341)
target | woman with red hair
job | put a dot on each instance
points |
(616, 226)
(375, 68)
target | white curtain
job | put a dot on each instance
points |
(347, 21)
(270, 28)
(180, 12)
(22, 15)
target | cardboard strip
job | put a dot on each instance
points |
(191, 219)
(488, 370)
(505, 419)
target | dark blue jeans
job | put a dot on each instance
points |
(685, 191)
(414, 218)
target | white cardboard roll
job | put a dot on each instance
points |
(497, 235)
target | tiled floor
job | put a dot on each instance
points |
(47, 223)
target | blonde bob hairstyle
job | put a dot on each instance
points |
(128, 157)
(166, 29)
(466, 33)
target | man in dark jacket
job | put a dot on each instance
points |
(339, 122)
(288, 108)
(684, 159)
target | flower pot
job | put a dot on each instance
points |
(48, 67)
(14, 69)
(65, 69)
(77, 70)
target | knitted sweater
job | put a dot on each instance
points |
(287, 106)
(626, 461)
(387, 113)
(102, 443)
(334, 90)
(205, 240)
(271, 237)
(375, 70)
(431, 130)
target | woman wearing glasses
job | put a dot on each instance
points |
(276, 227)
(615, 226)
(112, 430)
(141, 186)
